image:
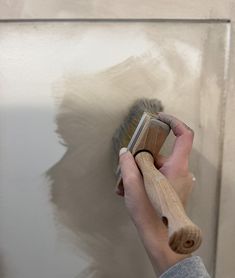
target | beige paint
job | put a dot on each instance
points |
(86, 75)
(117, 9)
(226, 241)
(170, 9)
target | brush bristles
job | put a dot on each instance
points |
(123, 134)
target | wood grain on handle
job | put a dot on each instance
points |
(184, 235)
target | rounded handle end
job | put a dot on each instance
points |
(186, 240)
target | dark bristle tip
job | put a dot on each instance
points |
(124, 133)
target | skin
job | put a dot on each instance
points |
(151, 229)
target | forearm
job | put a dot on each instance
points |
(153, 234)
(162, 258)
(152, 231)
(155, 241)
(165, 262)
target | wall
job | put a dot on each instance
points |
(30, 9)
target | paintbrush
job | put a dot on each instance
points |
(144, 135)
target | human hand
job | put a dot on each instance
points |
(175, 168)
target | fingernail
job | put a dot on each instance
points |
(122, 151)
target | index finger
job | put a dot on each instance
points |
(184, 135)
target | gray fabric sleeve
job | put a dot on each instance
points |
(191, 267)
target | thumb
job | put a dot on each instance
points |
(131, 176)
(136, 199)
(134, 192)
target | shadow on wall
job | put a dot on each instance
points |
(82, 182)
(2, 267)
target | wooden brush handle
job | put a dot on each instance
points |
(184, 235)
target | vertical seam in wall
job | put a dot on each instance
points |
(222, 130)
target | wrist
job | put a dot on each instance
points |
(155, 240)
(162, 258)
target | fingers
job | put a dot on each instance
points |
(131, 176)
(161, 159)
(184, 136)
(136, 199)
